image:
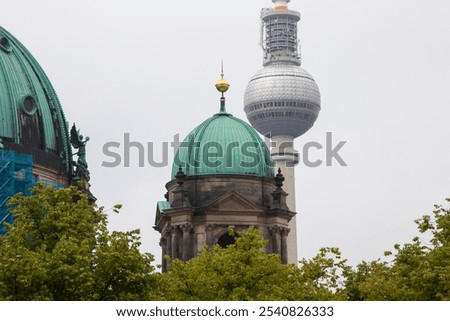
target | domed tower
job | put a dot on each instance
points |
(282, 101)
(34, 137)
(222, 177)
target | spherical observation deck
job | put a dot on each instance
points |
(282, 100)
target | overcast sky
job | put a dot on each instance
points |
(148, 68)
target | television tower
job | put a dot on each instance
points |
(282, 101)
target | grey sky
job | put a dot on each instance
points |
(148, 68)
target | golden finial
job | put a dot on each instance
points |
(222, 85)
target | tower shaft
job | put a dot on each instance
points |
(282, 100)
(285, 157)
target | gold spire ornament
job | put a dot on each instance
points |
(222, 84)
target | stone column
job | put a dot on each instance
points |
(198, 239)
(209, 235)
(284, 246)
(276, 240)
(163, 244)
(175, 243)
(169, 241)
(186, 228)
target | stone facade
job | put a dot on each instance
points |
(201, 209)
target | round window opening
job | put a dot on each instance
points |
(29, 105)
(4, 44)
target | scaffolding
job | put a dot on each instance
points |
(16, 176)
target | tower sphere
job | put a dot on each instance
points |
(282, 100)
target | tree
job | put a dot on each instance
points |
(419, 270)
(59, 248)
(243, 272)
(323, 277)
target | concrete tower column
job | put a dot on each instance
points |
(282, 100)
(285, 157)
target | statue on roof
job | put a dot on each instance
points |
(79, 142)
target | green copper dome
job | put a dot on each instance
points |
(31, 118)
(223, 144)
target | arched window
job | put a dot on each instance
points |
(225, 240)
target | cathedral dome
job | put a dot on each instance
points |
(223, 144)
(32, 121)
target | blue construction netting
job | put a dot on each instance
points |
(16, 175)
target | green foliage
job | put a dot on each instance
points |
(323, 276)
(414, 271)
(418, 271)
(59, 248)
(243, 272)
